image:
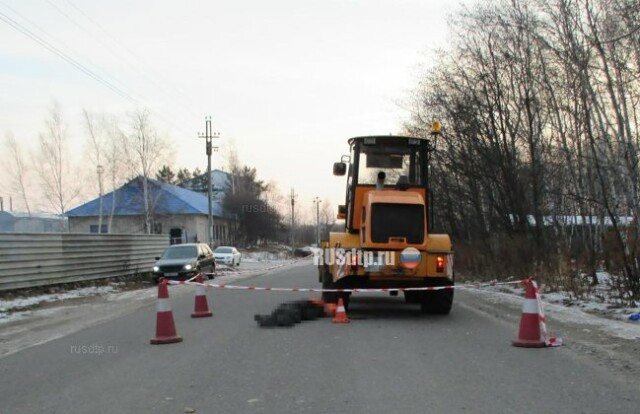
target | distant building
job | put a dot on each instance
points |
(19, 222)
(578, 221)
(176, 211)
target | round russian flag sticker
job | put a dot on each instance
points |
(410, 257)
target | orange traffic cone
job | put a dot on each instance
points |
(341, 313)
(529, 335)
(201, 308)
(165, 327)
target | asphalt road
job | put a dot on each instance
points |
(389, 359)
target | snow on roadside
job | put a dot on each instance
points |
(592, 310)
(23, 307)
(253, 257)
(597, 308)
(31, 301)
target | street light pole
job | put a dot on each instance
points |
(100, 171)
(208, 136)
(317, 202)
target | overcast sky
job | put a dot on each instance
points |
(286, 81)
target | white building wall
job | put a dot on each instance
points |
(194, 226)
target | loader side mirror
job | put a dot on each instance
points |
(339, 168)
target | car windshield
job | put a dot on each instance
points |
(180, 252)
(223, 250)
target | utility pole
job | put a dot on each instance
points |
(293, 221)
(317, 202)
(100, 171)
(208, 136)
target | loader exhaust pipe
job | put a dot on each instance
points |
(380, 181)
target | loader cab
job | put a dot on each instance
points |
(383, 163)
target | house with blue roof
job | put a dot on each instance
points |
(179, 212)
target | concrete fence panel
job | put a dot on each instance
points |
(40, 259)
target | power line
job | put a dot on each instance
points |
(159, 83)
(99, 40)
(74, 62)
(66, 16)
(65, 57)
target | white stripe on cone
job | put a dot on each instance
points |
(163, 305)
(530, 306)
(341, 309)
(200, 291)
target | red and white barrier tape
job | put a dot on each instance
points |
(354, 290)
(264, 269)
(550, 341)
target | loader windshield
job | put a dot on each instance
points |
(402, 164)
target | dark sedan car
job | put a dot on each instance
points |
(183, 261)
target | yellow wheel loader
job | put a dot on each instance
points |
(386, 241)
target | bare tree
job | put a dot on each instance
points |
(145, 148)
(539, 165)
(327, 218)
(59, 186)
(232, 161)
(105, 150)
(17, 170)
(115, 160)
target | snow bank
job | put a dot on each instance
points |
(8, 307)
(262, 257)
(595, 310)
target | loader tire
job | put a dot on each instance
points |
(436, 302)
(346, 296)
(412, 296)
(327, 283)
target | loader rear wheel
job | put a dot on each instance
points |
(346, 296)
(412, 296)
(437, 302)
